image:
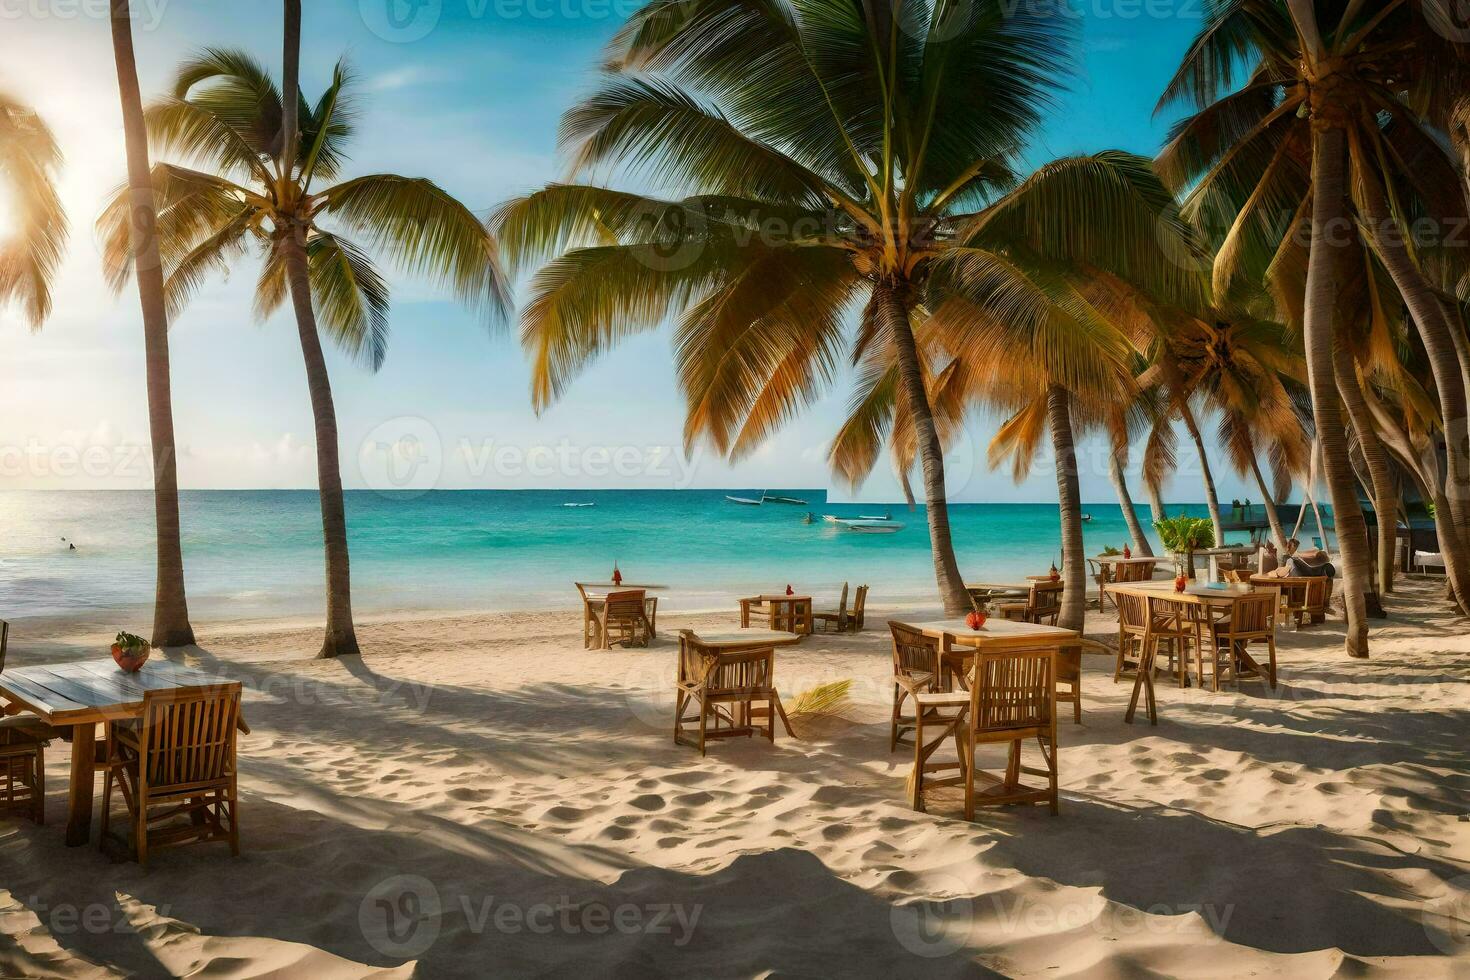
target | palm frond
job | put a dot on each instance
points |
(350, 296)
(29, 162)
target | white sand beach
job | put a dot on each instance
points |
(479, 796)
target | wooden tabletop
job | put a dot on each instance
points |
(92, 691)
(1131, 560)
(995, 632)
(781, 597)
(1196, 594)
(749, 637)
(1000, 586)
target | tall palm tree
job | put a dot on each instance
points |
(821, 160)
(33, 237)
(253, 191)
(137, 231)
(1324, 97)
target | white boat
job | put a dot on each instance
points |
(592, 504)
(767, 498)
(872, 525)
(875, 517)
(834, 519)
(1087, 517)
(743, 500)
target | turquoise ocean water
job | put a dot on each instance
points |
(258, 552)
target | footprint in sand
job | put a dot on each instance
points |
(648, 801)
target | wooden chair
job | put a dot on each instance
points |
(177, 761)
(1302, 599)
(915, 672)
(1135, 572)
(626, 613)
(23, 741)
(591, 611)
(1252, 619)
(1013, 698)
(1101, 576)
(1145, 623)
(1043, 604)
(834, 622)
(859, 608)
(724, 686)
(938, 716)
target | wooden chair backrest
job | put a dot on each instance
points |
(842, 606)
(859, 603)
(1254, 613)
(1045, 599)
(4, 641)
(1132, 611)
(627, 604)
(724, 671)
(913, 651)
(188, 735)
(1319, 590)
(1100, 571)
(1012, 689)
(1135, 572)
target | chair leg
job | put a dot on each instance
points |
(893, 726)
(1077, 702)
(704, 707)
(106, 801)
(916, 778)
(1271, 646)
(232, 801)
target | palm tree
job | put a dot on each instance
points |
(819, 165)
(137, 231)
(34, 236)
(1324, 97)
(255, 191)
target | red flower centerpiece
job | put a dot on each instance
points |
(1054, 575)
(976, 619)
(1181, 581)
(130, 652)
(789, 590)
(617, 576)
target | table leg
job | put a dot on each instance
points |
(744, 615)
(83, 785)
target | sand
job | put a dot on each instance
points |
(478, 796)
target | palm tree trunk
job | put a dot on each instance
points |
(341, 636)
(1329, 218)
(1440, 345)
(1069, 497)
(1156, 503)
(894, 307)
(171, 626)
(1125, 501)
(1380, 476)
(1278, 533)
(1212, 500)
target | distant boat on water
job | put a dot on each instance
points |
(592, 503)
(867, 525)
(766, 498)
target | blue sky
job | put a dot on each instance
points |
(467, 92)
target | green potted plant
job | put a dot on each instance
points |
(1183, 536)
(130, 652)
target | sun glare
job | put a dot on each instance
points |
(9, 220)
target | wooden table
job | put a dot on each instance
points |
(742, 640)
(82, 695)
(996, 634)
(789, 613)
(1199, 596)
(1215, 554)
(596, 593)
